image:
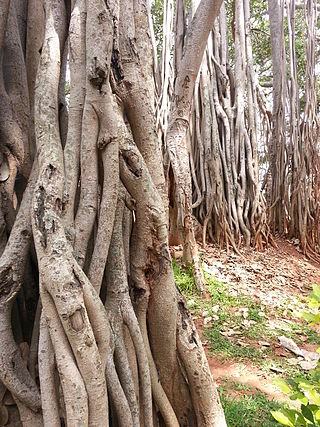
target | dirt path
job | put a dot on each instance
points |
(246, 374)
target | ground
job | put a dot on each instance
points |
(253, 300)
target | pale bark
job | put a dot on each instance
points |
(53, 251)
(49, 399)
(278, 143)
(227, 199)
(294, 159)
(178, 124)
(77, 46)
(95, 210)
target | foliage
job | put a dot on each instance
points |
(261, 44)
(157, 18)
(305, 391)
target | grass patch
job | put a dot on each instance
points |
(247, 319)
(238, 324)
(240, 314)
(183, 278)
(230, 349)
(235, 385)
(224, 305)
(249, 411)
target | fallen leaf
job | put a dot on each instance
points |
(247, 323)
(264, 343)
(215, 308)
(310, 355)
(307, 365)
(207, 320)
(230, 333)
(243, 344)
(275, 369)
(290, 345)
(293, 361)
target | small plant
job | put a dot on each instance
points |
(306, 391)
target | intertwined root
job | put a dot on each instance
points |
(86, 275)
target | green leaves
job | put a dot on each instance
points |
(283, 385)
(294, 418)
(313, 316)
(307, 413)
(307, 391)
(283, 418)
(314, 397)
(316, 293)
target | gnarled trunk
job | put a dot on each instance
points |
(86, 247)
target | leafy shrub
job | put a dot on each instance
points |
(306, 391)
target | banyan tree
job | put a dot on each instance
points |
(93, 331)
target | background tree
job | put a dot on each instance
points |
(187, 64)
(278, 149)
(221, 150)
(294, 157)
(231, 206)
(232, 129)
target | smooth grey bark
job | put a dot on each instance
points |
(278, 154)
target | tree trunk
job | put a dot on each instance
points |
(106, 333)
(278, 148)
(187, 64)
(294, 161)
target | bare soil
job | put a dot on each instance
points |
(276, 277)
(269, 276)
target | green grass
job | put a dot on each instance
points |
(230, 317)
(251, 408)
(235, 385)
(183, 278)
(230, 349)
(250, 411)
(219, 295)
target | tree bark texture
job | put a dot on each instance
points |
(294, 155)
(90, 317)
(212, 147)
(278, 148)
(229, 203)
(187, 64)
